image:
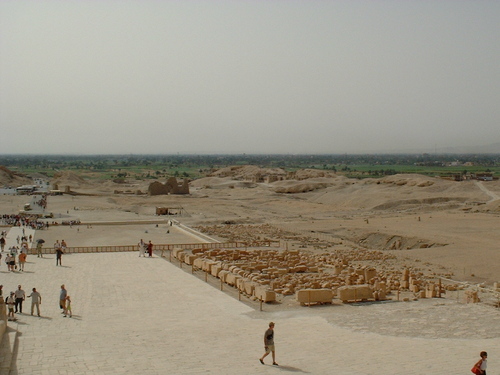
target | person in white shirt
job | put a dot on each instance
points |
(481, 365)
(36, 300)
(10, 301)
(142, 248)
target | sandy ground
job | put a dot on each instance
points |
(459, 220)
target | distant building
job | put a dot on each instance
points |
(170, 187)
(486, 176)
(169, 210)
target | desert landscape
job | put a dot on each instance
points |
(407, 231)
(430, 225)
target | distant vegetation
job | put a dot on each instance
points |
(143, 167)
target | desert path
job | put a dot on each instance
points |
(494, 196)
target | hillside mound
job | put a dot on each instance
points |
(304, 174)
(254, 173)
(302, 186)
(220, 183)
(409, 180)
(398, 192)
(67, 178)
(247, 172)
(10, 178)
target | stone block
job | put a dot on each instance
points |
(310, 296)
(198, 262)
(240, 284)
(216, 268)
(231, 279)
(206, 265)
(176, 252)
(265, 295)
(248, 287)
(354, 293)
(370, 273)
(223, 275)
(189, 258)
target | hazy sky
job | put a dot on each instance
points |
(308, 76)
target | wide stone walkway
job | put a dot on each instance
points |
(144, 316)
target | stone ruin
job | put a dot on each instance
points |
(170, 187)
(313, 279)
(347, 272)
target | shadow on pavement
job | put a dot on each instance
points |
(290, 369)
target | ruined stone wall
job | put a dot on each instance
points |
(170, 187)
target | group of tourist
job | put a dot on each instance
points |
(12, 259)
(71, 222)
(145, 248)
(30, 221)
(15, 255)
(42, 202)
(15, 299)
(59, 249)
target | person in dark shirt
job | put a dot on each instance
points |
(269, 344)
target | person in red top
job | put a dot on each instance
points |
(150, 249)
(481, 365)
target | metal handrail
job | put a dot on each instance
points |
(186, 246)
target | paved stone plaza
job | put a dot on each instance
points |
(144, 316)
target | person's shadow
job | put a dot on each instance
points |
(290, 369)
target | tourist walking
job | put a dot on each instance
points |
(11, 262)
(20, 297)
(269, 344)
(67, 310)
(36, 301)
(39, 246)
(10, 301)
(150, 249)
(22, 260)
(14, 251)
(481, 365)
(59, 253)
(62, 298)
(2, 242)
(142, 248)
